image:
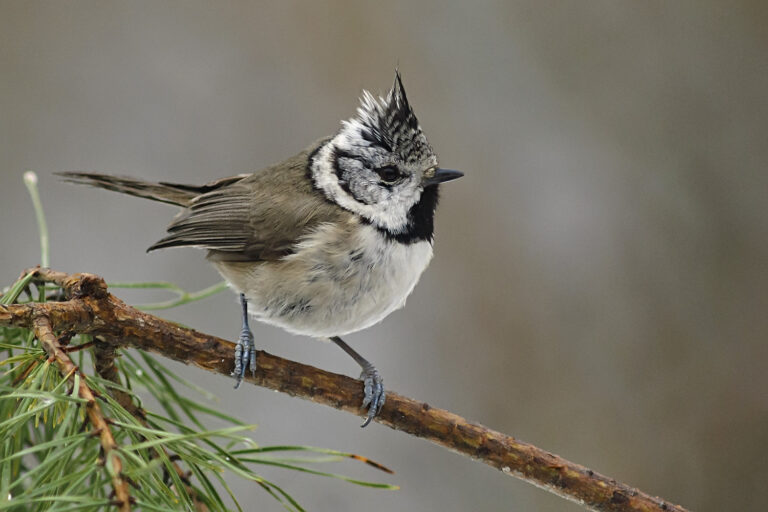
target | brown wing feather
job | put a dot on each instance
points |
(258, 217)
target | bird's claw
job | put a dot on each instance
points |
(373, 387)
(245, 356)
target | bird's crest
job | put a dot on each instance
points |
(389, 122)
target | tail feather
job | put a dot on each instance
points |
(177, 194)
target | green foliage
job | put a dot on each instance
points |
(182, 296)
(50, 458)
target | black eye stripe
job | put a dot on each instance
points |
(389, 174)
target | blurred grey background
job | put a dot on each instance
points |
(599, 285)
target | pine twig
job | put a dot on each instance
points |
(104, 354)
(92, 310)
(43, 329)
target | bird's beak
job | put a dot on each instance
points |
(440, 176)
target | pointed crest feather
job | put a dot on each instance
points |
(388, 121)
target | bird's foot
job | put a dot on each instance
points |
(373, 387)
(245, 356)
(373, 384)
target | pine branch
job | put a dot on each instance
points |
(105, 354)
(92, 310)
(43, 329)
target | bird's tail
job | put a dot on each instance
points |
(171, 193)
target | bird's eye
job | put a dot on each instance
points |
(388, 174)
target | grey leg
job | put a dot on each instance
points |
(245, 351)
(373, 384)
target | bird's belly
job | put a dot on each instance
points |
(338, 281)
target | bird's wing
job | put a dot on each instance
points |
(259, 217)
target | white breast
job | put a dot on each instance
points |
(339, 280)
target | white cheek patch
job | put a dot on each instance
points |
(390, 214)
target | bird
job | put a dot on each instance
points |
(325, 243)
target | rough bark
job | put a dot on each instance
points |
(91, 309)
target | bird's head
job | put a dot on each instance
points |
(380, 164)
